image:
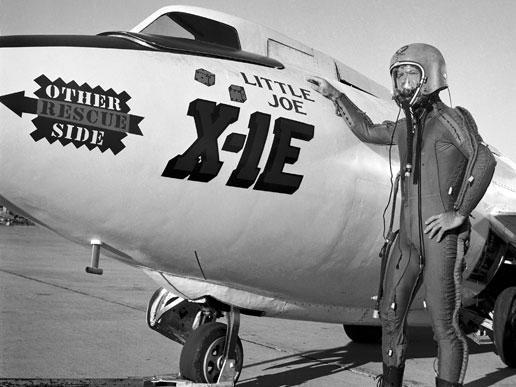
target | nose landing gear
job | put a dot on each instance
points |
(203, 358)
(212, 352)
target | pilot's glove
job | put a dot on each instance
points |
(323, 87)
(343, 104)
(439, 224)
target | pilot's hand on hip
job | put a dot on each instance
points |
(323, 87)
(439, 224)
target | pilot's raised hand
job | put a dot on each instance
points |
(323, 87)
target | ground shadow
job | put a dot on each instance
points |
(493, 377)
(303, 367)
(310, 365)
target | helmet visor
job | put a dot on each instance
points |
(406, 80)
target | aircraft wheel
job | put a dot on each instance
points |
(202, 356)
(363, 334)
(504, 326)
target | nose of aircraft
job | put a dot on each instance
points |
(97, 143)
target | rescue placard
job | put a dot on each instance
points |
(82, 115)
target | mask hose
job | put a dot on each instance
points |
(410, 138)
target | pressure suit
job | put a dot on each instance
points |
(450, 170)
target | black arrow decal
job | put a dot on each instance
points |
(19, 104)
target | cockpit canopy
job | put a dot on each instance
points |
(195, 27)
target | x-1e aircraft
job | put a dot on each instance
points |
(193, 147)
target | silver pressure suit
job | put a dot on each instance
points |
(452, 170)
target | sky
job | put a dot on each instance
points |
(476, 37)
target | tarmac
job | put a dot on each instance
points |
(61, 326)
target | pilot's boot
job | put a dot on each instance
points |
(444, 383)
(392, 377)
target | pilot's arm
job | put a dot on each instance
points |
(356, 119)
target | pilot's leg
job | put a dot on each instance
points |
(402, 279)
(443, 278)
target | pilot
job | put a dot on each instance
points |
(445, 170)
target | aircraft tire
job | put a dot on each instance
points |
(363, 334)
(202, 355)
(504, 326)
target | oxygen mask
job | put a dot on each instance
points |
(408, 87)
(407, 83)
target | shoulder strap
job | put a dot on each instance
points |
(470, 123)
(467, 128)
(454, 121)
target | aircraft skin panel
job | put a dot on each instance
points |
(505, 224)
(499, 203)
(270, 306)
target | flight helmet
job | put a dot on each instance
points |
(431, 65)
